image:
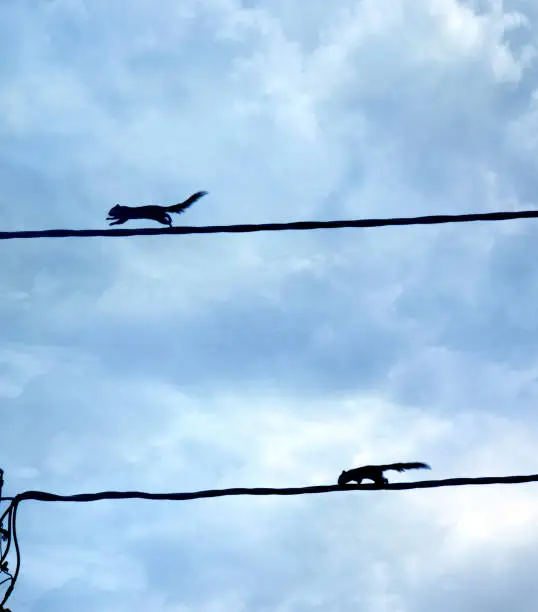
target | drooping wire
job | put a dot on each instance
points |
(394, 486)
(11, 513)
(7, 515)
(272, 227)
(15, 575)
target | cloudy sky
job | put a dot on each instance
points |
(182, 363)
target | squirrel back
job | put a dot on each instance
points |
(375, 472)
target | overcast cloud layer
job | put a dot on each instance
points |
(278, 359)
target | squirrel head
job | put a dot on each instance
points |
(114, 210)
(342, 479)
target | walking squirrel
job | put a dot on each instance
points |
(375, 472)
(121, 214)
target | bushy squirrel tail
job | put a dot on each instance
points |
(182, 206)
(402, 467)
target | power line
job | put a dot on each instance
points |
(272, 227)
(42, 496)
(11, 578)
(11, 513)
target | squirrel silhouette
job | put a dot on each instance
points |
(120, 214)
(375, 472)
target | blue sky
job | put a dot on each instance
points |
(278, 359)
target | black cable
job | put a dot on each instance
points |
(90, 497)
(422, 484)
(13, 530)
(5, 553)
(3, 563)
(273, 227)
(8, 510)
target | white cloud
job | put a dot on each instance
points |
(179, 363)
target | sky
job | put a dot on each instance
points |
(179, 363)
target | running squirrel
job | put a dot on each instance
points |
(375, 472)
(121, 214)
